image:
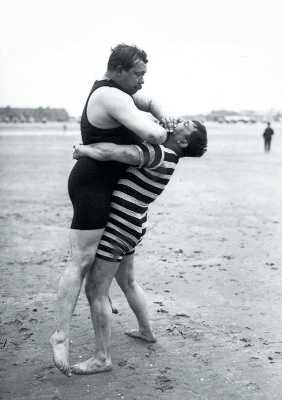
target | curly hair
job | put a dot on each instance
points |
(126, 56)
(197, 142)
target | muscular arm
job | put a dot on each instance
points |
(157, 110)
(150, 105)
(121, 107)
(127, 154)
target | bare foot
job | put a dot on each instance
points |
(91, 366)
(135, 333)
(61, 354)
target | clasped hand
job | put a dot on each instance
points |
(76, 153)
(170, 123)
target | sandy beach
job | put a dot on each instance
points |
(210, 265)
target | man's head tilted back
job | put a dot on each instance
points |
(197, 141)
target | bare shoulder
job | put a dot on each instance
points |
(104, 107)
(109, 96)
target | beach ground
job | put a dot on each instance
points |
(210, 265)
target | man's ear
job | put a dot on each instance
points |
(119, 70)
(182, 143)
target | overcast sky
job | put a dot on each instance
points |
(203, 55)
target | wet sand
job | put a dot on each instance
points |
(210, 265)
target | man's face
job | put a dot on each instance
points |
(183, 129)
(131, 81)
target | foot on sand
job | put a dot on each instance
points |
(91, 366)
(61, 354)
(135, 333)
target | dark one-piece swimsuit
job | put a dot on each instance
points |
(92, 182)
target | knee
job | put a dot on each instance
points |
(95, 292)
(83, 260)
(89, 289)
(126, 284)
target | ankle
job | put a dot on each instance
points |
(102, 359)
(60, 336)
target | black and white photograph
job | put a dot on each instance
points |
(140, 188)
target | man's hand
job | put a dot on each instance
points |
(76, 153)
(169, 123)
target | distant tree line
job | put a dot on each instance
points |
(247, 116)
(244, 116)
(10, 114)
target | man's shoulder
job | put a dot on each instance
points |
(109, 92)
(110, 98)
(154, 156)
(151, 155)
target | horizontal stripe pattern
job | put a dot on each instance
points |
(130, 200)
(152, 156)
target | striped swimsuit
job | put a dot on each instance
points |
(130, 200)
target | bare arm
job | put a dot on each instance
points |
(127, 154)
(121, 107)
(149, 105)
(157, 110)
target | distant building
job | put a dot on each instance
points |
(9, 114)
(233, 119)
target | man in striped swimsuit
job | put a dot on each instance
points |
(150, 171)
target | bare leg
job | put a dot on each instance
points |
(97, 287)
(136, 299)
(83, 247)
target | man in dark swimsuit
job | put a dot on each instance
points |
(112, 113)
(267, 137)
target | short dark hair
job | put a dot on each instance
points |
(198, 142)
(126, 56)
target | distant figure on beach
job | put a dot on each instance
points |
(151, 170)
(267, 137)
(112, 113)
